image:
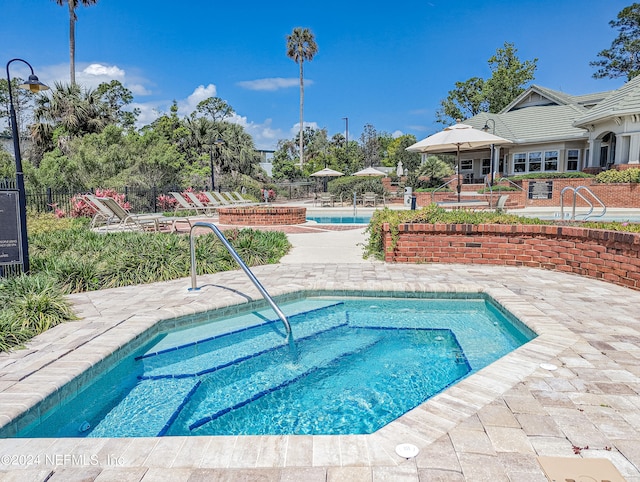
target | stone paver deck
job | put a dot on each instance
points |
(490, 426)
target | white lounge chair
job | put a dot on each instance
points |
(184, 205)
(116, 217)
(208, 208)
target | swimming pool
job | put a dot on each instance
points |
(165, 387)
(340, 219)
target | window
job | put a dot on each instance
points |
(466, 164)
(486, 166)
(535, 161)
(520, 162)
(573, 156)
(551, 161)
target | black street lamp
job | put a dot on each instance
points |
(217, 143)
(34, 85)
(493, 131)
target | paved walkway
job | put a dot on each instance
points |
(491, 426)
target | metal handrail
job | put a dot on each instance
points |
(433, 193)
(576, 193)
(244, 267)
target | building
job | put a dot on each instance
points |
(556, 132)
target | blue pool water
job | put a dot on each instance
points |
(360, 364)
(340, 219)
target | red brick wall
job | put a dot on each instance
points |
(618, 195)
(262, 215)
(607, 255)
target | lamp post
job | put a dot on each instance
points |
(493, 131)
(34, 85)
(217, 143)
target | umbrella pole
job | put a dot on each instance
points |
(459, 186)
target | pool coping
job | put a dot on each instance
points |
(29, 376)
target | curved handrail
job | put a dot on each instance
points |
(576, 193)
(433, 193)
(244, 267)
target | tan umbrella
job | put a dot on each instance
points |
(456, 138)
(369, 171)
(325, 173)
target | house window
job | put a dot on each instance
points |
(573, 156)
(466, 164)
(520, 162)
(551, 161)
(535, 161)
(486, 166)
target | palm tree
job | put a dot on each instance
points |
(301, 46)
(73, 4)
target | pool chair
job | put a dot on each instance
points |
(326, 199)
(120, 219)
(502, 200)
(369, 199)
(224, 201)
(209, 207)
(185, 205)
(237, 197)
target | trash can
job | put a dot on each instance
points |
(408, 194)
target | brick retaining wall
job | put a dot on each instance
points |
(607, 255)
(262, 215)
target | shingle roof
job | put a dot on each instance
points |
(625, 100)
(535, 123)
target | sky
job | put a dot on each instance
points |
(387, 65)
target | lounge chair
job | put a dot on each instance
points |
(120, 218)
(184, 205)
(221, 199)
(208, 208)
(237, 197)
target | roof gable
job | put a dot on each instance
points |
(625, 100)
(537, 96)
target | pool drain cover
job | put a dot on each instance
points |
(579, 470)
(408, 451)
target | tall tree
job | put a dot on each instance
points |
(73, 4)
(301, 46)
(623, 57)
(509, 77)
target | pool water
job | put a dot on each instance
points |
(340, 219)
(359, 364)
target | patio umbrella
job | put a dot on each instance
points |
(325, 173)
(369, 171)
(456, 138)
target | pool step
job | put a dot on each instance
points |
(237, 393)
(207, 357)
(150, 407)
(206, 332)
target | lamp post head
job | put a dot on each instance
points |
(486, 125)
(34, 85)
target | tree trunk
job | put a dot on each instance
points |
(72, 42)
(301, 114)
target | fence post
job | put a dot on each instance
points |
(49, 206)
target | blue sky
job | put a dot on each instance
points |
(387, 65)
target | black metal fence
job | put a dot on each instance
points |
(141, 200)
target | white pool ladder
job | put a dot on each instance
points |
(576, 193)
(245, 268)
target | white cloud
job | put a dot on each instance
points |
(188, 105)
(271, 84)
(396, 134)
(92, 75)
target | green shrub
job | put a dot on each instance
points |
(344, 187)
(30, 305)
(615, 176)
